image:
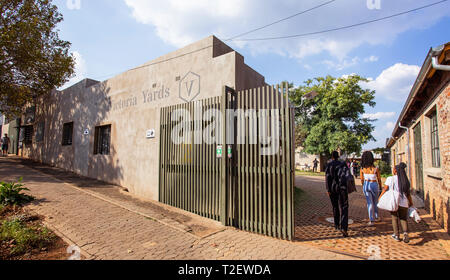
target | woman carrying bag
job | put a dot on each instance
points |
(400, 185)
(371, 181)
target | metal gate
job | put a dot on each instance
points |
(244, 177)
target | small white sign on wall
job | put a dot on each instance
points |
(151, 133)
(86, 132)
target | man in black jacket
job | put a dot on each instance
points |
(336, 183)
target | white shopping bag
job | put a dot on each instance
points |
(389, 201)
(414, 214)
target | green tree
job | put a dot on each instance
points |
(379, 151)
(33, 60)
(331, 117)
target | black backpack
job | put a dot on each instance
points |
(348, 179)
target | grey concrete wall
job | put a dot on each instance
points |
(131, 103)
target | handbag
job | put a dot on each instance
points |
(351, 186)
(389, 201)
(413, 214)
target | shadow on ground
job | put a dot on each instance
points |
(177, 218)
(312, 207)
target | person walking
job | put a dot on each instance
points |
(371, 180)
(336, 184)
(355, 168)
(400, 183)
(315, 164)
(5, 145)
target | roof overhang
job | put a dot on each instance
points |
(426, 72)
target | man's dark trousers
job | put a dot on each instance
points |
(339, 201)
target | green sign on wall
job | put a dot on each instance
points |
(219, 151)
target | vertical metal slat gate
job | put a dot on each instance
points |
(251, 185)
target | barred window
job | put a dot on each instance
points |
(435, 152)
(67, 134)
(102, 140)
(28, 134)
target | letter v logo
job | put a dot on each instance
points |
(189, 89)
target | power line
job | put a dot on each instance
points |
(230, 39)
(343, 27)
(285, 37)
(278, 21)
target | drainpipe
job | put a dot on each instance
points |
(407, 148)
(437, 66)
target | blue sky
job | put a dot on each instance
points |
(112, 36)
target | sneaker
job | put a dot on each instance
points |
(395, 237)
(344, 233)
(370, 223)
(405, 237)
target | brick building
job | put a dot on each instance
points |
(421, 135)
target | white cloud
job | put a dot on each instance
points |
(80, 70)
(390, 126)
(379, 115)
(395, 82)
(380, 134)
(73, 4)
(180, 22)
(371, 58)
(342, 64)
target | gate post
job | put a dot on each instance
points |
(223, 165)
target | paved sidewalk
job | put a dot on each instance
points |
(106, 230)
(428, 240)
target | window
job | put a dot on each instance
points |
(40, 132)
(28, 134)
(102, 140)
(67, 134)
(435, 153)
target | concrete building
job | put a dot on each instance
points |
(421, 136)
(305, 161)
(110, 130)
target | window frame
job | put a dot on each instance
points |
(67, 140)
(40, 132)
(434, 135)
(102, 145)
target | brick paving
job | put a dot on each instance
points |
(109, 225)
(105, 230)
(428, 240)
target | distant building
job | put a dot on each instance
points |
(305, 162)
(421, 137)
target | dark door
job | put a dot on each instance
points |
(418, 159)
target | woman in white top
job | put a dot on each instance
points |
(400, 183)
